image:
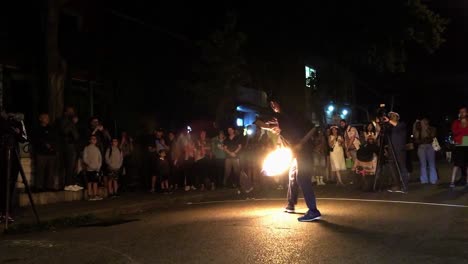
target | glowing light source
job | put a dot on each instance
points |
(249, 131)
(240, 122)
(344, 112)
(277, 161)
(330, 108)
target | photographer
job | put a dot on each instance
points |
(11, 133)
(397, 131)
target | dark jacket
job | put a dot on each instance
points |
(45, 140)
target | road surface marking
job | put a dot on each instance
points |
(336, 199)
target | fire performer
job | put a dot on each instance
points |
(300, 171)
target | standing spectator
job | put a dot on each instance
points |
(351, 137)
(187, 144)
(202, 161)
(423, 136)
(154, 169)
(127, 147)
(92, 159)
(68, 144)
(253, 154)
(114, 161)
(460, 153)
(217, 145)
(102, 135)
(45, 148)
(163, 170)
(103, 142)
(397, 130)
(319, 144)
(337, 161)
(249, 158)
(159, 141)
(232, 147)
(327, 155)
(172, 155)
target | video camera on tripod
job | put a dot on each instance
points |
(12, 132)
(382, 115)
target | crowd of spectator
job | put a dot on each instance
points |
(72, 159)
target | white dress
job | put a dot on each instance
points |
(337, 160)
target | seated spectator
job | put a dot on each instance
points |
(366, 163)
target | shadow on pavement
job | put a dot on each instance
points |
(109, 222)
(445, 195)
(349, 230)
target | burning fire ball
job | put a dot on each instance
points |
(277, 161)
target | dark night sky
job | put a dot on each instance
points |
(441, 79)
(434, 85)
(150, 38)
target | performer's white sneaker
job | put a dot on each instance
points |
(289, 209)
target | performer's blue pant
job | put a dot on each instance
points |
(300, 176)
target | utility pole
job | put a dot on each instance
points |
(1, 87)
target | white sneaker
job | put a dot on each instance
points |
(98, 198)
(77, 187)
(187, 188)
(321, 181)
(193, 188)
(68, 188)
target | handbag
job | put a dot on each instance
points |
(435, 144)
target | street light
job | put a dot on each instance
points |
(344, 112)
(240, 122)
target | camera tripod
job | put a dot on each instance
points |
(12, 155)
(384, 137)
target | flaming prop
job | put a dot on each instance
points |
(277, 161)
(282, 158)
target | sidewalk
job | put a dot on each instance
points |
(126, 204)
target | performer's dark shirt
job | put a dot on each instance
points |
(293, 129)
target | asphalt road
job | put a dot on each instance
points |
(257, 231)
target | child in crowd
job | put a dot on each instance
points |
(164, 170)
(92, 160)
(114, 160)
(154, 161)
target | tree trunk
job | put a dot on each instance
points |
(56, 66)
(1, 88)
